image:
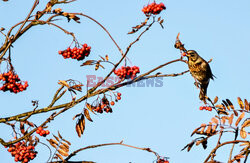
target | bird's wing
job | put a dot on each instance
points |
(205, 66)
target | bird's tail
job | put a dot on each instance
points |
(203, 91)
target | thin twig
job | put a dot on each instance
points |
(222, 144)
(109, 144)
(231, 152)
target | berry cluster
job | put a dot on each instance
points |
(153, 8)
(208, 108)
(22, 152)
(162, 160)
(12, 82)
(104, 105)
(76, 53)
(42, 132)
(127, 72)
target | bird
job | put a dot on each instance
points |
(201, 71)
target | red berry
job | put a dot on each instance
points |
(40, 128)
(119, 94)
(43, 132)
(118, 97)
(38, 131)
(47, 132)
(112, 103)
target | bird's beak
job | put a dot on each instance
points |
(187, 54)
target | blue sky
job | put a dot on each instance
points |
(161, 118)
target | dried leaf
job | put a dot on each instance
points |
(216, 99)
(246, 123)
(97, 66)
(48, 7)
(89, 62)
(243, 133)
(159, 19)
(198, 142)
(102, 58)
(65, 145)
(161, 23)
(56, 138)
(239, 119)
(82, 124)
(22, 128)
(60, 136)
(162, 20)
(133, 31)
(66, 141)
(238, 157)
(76, 19)
(226, 104)
(189, 146)
(86, 113)
(63, 83)
(202, 130)
(230, 120)
(195, 131)
(209, 128)
(223, 120)
(204, 143)
(240, 102)
(73, 92)
(223, 106)
(214, 128)
(244, 144)
(52, 143)
(102, 66)
(62, 147)
(57, 10)
(246, 105)
(59, 156)
(215, 120)
(220, 106)
(78, 130)
(77, 87)
(235, 113)
(62, 152)
(222, 111)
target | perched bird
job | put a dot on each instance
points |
(201, 71)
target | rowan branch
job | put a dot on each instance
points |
(222, 144)
(110, 144)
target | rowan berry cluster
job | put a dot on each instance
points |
(162, 160)
(42, 132)
(104, 105)
(12, 82)
(127, 72)
(76, 53)
(22, 152)
(153, 8)
(208, 108)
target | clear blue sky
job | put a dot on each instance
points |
(160, 118)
